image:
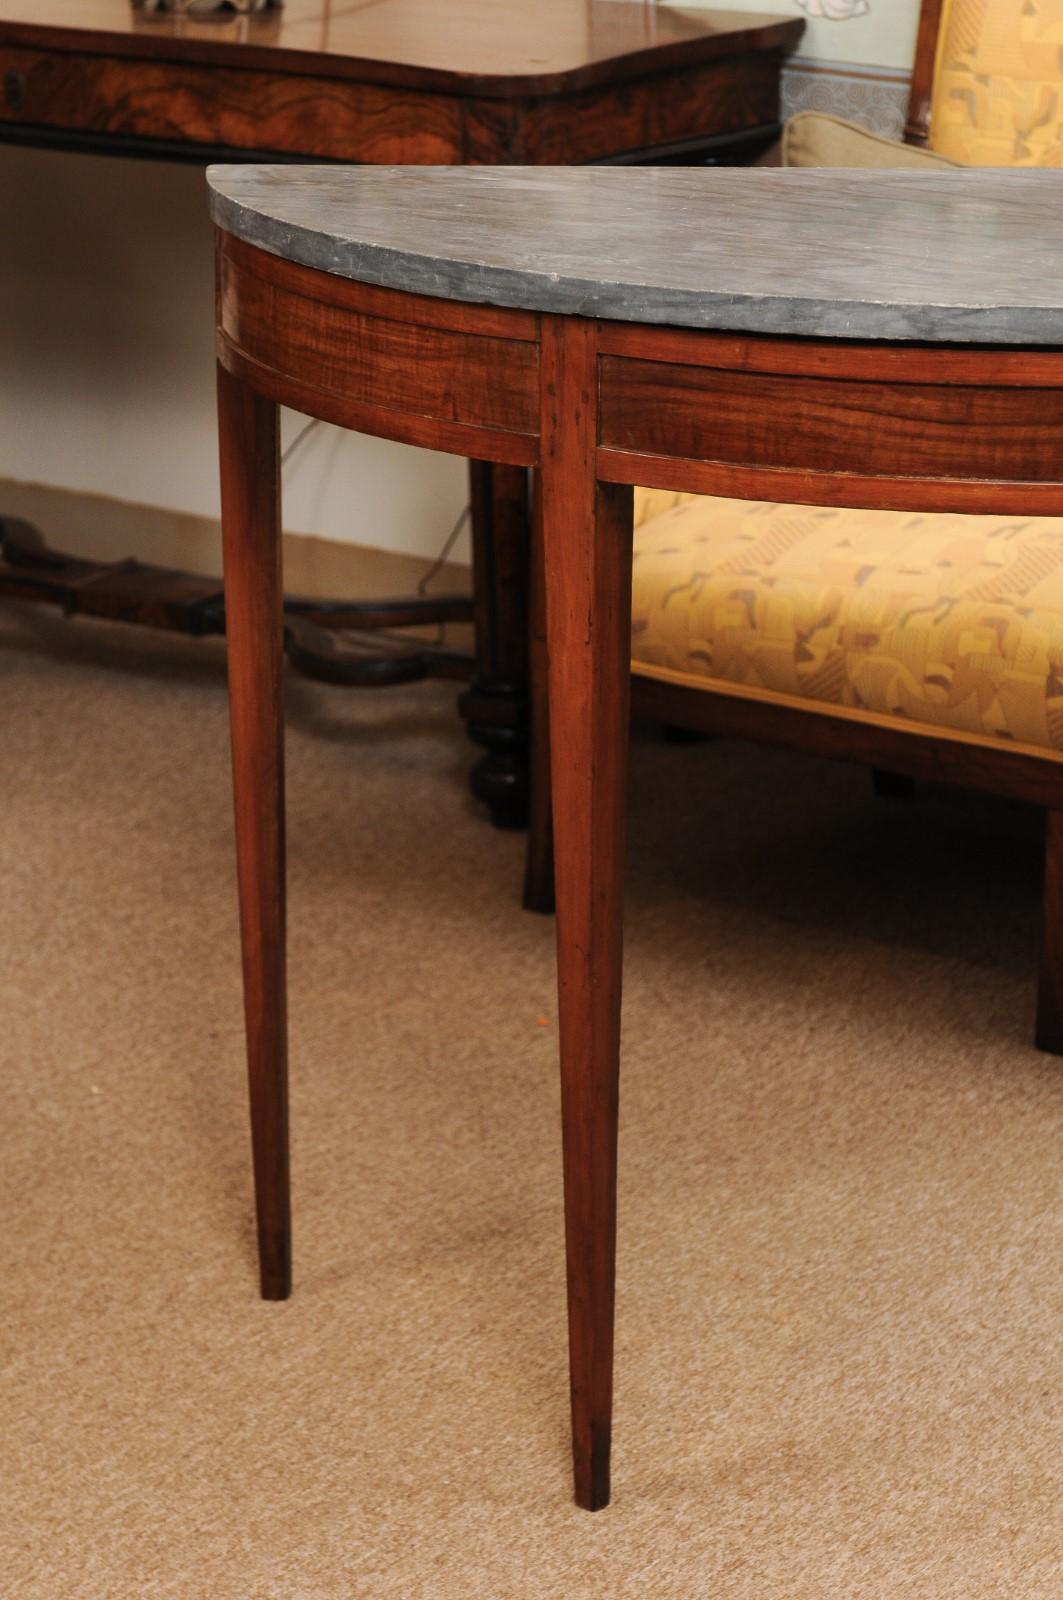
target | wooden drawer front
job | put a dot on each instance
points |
(324, 117)
(720, 97)
(892, 430)
(453, 376)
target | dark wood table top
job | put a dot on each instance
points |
(486, 47)
(944, 256)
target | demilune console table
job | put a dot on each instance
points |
(702, 331)
(418, 81)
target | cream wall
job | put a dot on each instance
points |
(855, 59)
(106, 363)
(879, 33)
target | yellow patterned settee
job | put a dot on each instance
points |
(946, 622)
(928, 622)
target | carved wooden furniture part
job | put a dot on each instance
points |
(826, 338)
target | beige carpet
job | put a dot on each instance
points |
(841, 1296)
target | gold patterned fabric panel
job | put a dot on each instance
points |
(942, 621)
(998, 84)
(650, 503)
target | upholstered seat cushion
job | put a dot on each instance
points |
(817, 139)
(941, 622)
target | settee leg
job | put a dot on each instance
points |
(1050, 983)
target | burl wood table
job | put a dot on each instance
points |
(868, 339)
(427, 81)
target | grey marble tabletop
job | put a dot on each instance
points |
(968, 256)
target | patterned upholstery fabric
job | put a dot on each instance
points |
(998, 83)
(927, 621)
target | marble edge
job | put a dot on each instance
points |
(451, 278)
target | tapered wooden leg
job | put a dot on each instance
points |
(250, 501)
(1050, 986)
(587, 547)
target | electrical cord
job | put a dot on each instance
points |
(315, 422)
(449, 542)
(448, 545)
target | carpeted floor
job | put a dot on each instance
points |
(841, 1298)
